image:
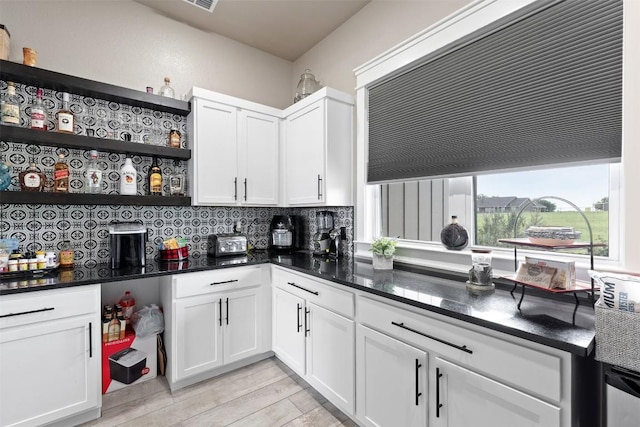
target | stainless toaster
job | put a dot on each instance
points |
(227, 244)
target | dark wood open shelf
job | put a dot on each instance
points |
(46, 198)
(33, 76)
(39, 137)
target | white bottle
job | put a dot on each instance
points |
(128, 179)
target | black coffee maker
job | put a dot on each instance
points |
(285, 233)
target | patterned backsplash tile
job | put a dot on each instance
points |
(47, 226)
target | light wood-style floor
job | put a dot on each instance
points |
(264, 394)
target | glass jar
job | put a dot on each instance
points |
(481, 273)
(306, 86)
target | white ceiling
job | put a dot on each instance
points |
(284, 28)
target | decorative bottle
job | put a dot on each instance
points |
(66, 254)
(128, 179)
(155, 179)
(128, 304)
(38, 113)
(167, 90)
(454, 236)
(174, 138)
(61, 175)
(107, 315)
(65, 116)
(114, 327)
(177, 181)
(31, 179)
(121, 319)
(93, 178)
(10, 108)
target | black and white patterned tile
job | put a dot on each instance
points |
(86, 227)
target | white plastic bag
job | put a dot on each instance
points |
(148, 321)
(618, 291)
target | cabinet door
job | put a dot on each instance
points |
(198, 339)
(289, 329)
(392, 381)
(331, 356)
(305, 155)
(259, 158)
(240, 323)
(468, 398)
(49, 370)
(215, 154)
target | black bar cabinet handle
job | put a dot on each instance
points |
(245, 189)
(227, 304)
(304, 289)
(459, 347)
(299, 312)
(28, 312)
(418, 394)
(319, 187)
(90, 341)
(235, 188)
(307, 329)
(220, 309)
(438, 404)
(223, 282)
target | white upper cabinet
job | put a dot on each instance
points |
(318, 150)
(235, 151)
(259, 157)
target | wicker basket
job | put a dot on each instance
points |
(617, 337)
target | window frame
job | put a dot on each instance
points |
(450, 29)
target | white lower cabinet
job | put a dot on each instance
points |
(214, 318)
(331, 355)
(314, 334)
(392, 381)
(419, 370)
(49, 356)
(466, 398)
(289, 340)
(198, 336)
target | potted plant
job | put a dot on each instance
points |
(383, 249)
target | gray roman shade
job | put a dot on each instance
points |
(544, 90)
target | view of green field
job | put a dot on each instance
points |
(492, 226)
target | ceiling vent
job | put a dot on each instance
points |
(207, 5)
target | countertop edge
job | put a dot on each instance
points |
(549, 342)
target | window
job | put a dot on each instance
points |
(487, 205)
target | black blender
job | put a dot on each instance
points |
(322, 238)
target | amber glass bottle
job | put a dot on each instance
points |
(155, 179)
(61, 175)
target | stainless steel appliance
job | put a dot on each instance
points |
(285, 233)
(127, 241)
(622, 397)
(227, 244)
(322, 239)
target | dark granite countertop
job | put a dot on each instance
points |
(545, 319)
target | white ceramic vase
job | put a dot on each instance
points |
(381, 262)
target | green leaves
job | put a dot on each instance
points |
(385, 246)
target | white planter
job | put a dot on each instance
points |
(381, 262)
